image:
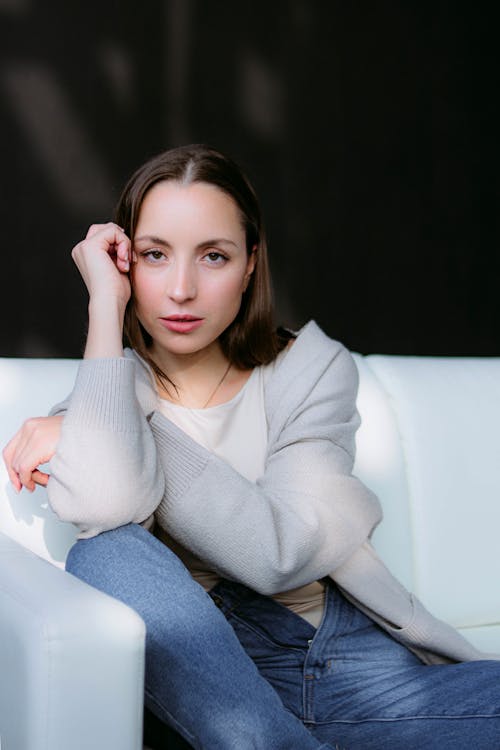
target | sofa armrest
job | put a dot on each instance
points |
(71, 660)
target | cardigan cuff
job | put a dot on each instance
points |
(104, 395)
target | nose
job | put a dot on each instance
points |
(181, 282)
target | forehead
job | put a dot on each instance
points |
(198, 204)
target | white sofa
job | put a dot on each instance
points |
(71, 658)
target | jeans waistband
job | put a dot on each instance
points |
(237, 600)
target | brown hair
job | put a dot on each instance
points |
(251, 339)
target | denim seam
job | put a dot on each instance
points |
(265, 638)
(440, 717)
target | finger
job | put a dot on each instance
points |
(16, 482)
(25, 472)
(121, 248)
(40, 477)
(96, 228)
(112, 241)
(118, 245)
(24, 479)
(24, 464)
(14, 479)
(8, 453)
(30, 486)
(93, 229)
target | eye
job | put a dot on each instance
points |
(153, 256)
(215, 258)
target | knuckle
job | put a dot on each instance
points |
(24, 469)
(30, 426)
(93, 230)
(36, 424)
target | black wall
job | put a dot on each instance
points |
(370, 130)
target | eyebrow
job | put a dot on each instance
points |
(159, 241)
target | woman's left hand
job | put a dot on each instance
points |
(33, 444)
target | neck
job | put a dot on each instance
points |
(194, 375)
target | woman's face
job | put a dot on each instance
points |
(192, 266)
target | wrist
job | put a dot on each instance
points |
(106, 305)
(105, 330)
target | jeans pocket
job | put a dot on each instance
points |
(259, 636)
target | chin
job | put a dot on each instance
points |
(182, 343)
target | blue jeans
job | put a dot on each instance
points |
(352, 684)
(348, 682)
(199, 679)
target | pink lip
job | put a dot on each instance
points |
(181, 323)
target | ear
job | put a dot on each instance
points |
(252, 260)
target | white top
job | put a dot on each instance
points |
(236, 431)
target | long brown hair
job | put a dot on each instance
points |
(251, 339)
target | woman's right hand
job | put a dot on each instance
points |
(103, 259)
(33, 444)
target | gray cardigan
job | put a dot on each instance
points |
(119, 460)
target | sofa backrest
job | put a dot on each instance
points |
(427, 446)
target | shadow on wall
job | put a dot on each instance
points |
(370, 134)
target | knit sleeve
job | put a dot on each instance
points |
(305, 516)
(105, 471)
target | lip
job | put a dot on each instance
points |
(181, 323)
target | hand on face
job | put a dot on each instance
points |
(103, 259)
(34, 444)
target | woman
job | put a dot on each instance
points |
(240, 440)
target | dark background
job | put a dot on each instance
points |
(370, 130)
